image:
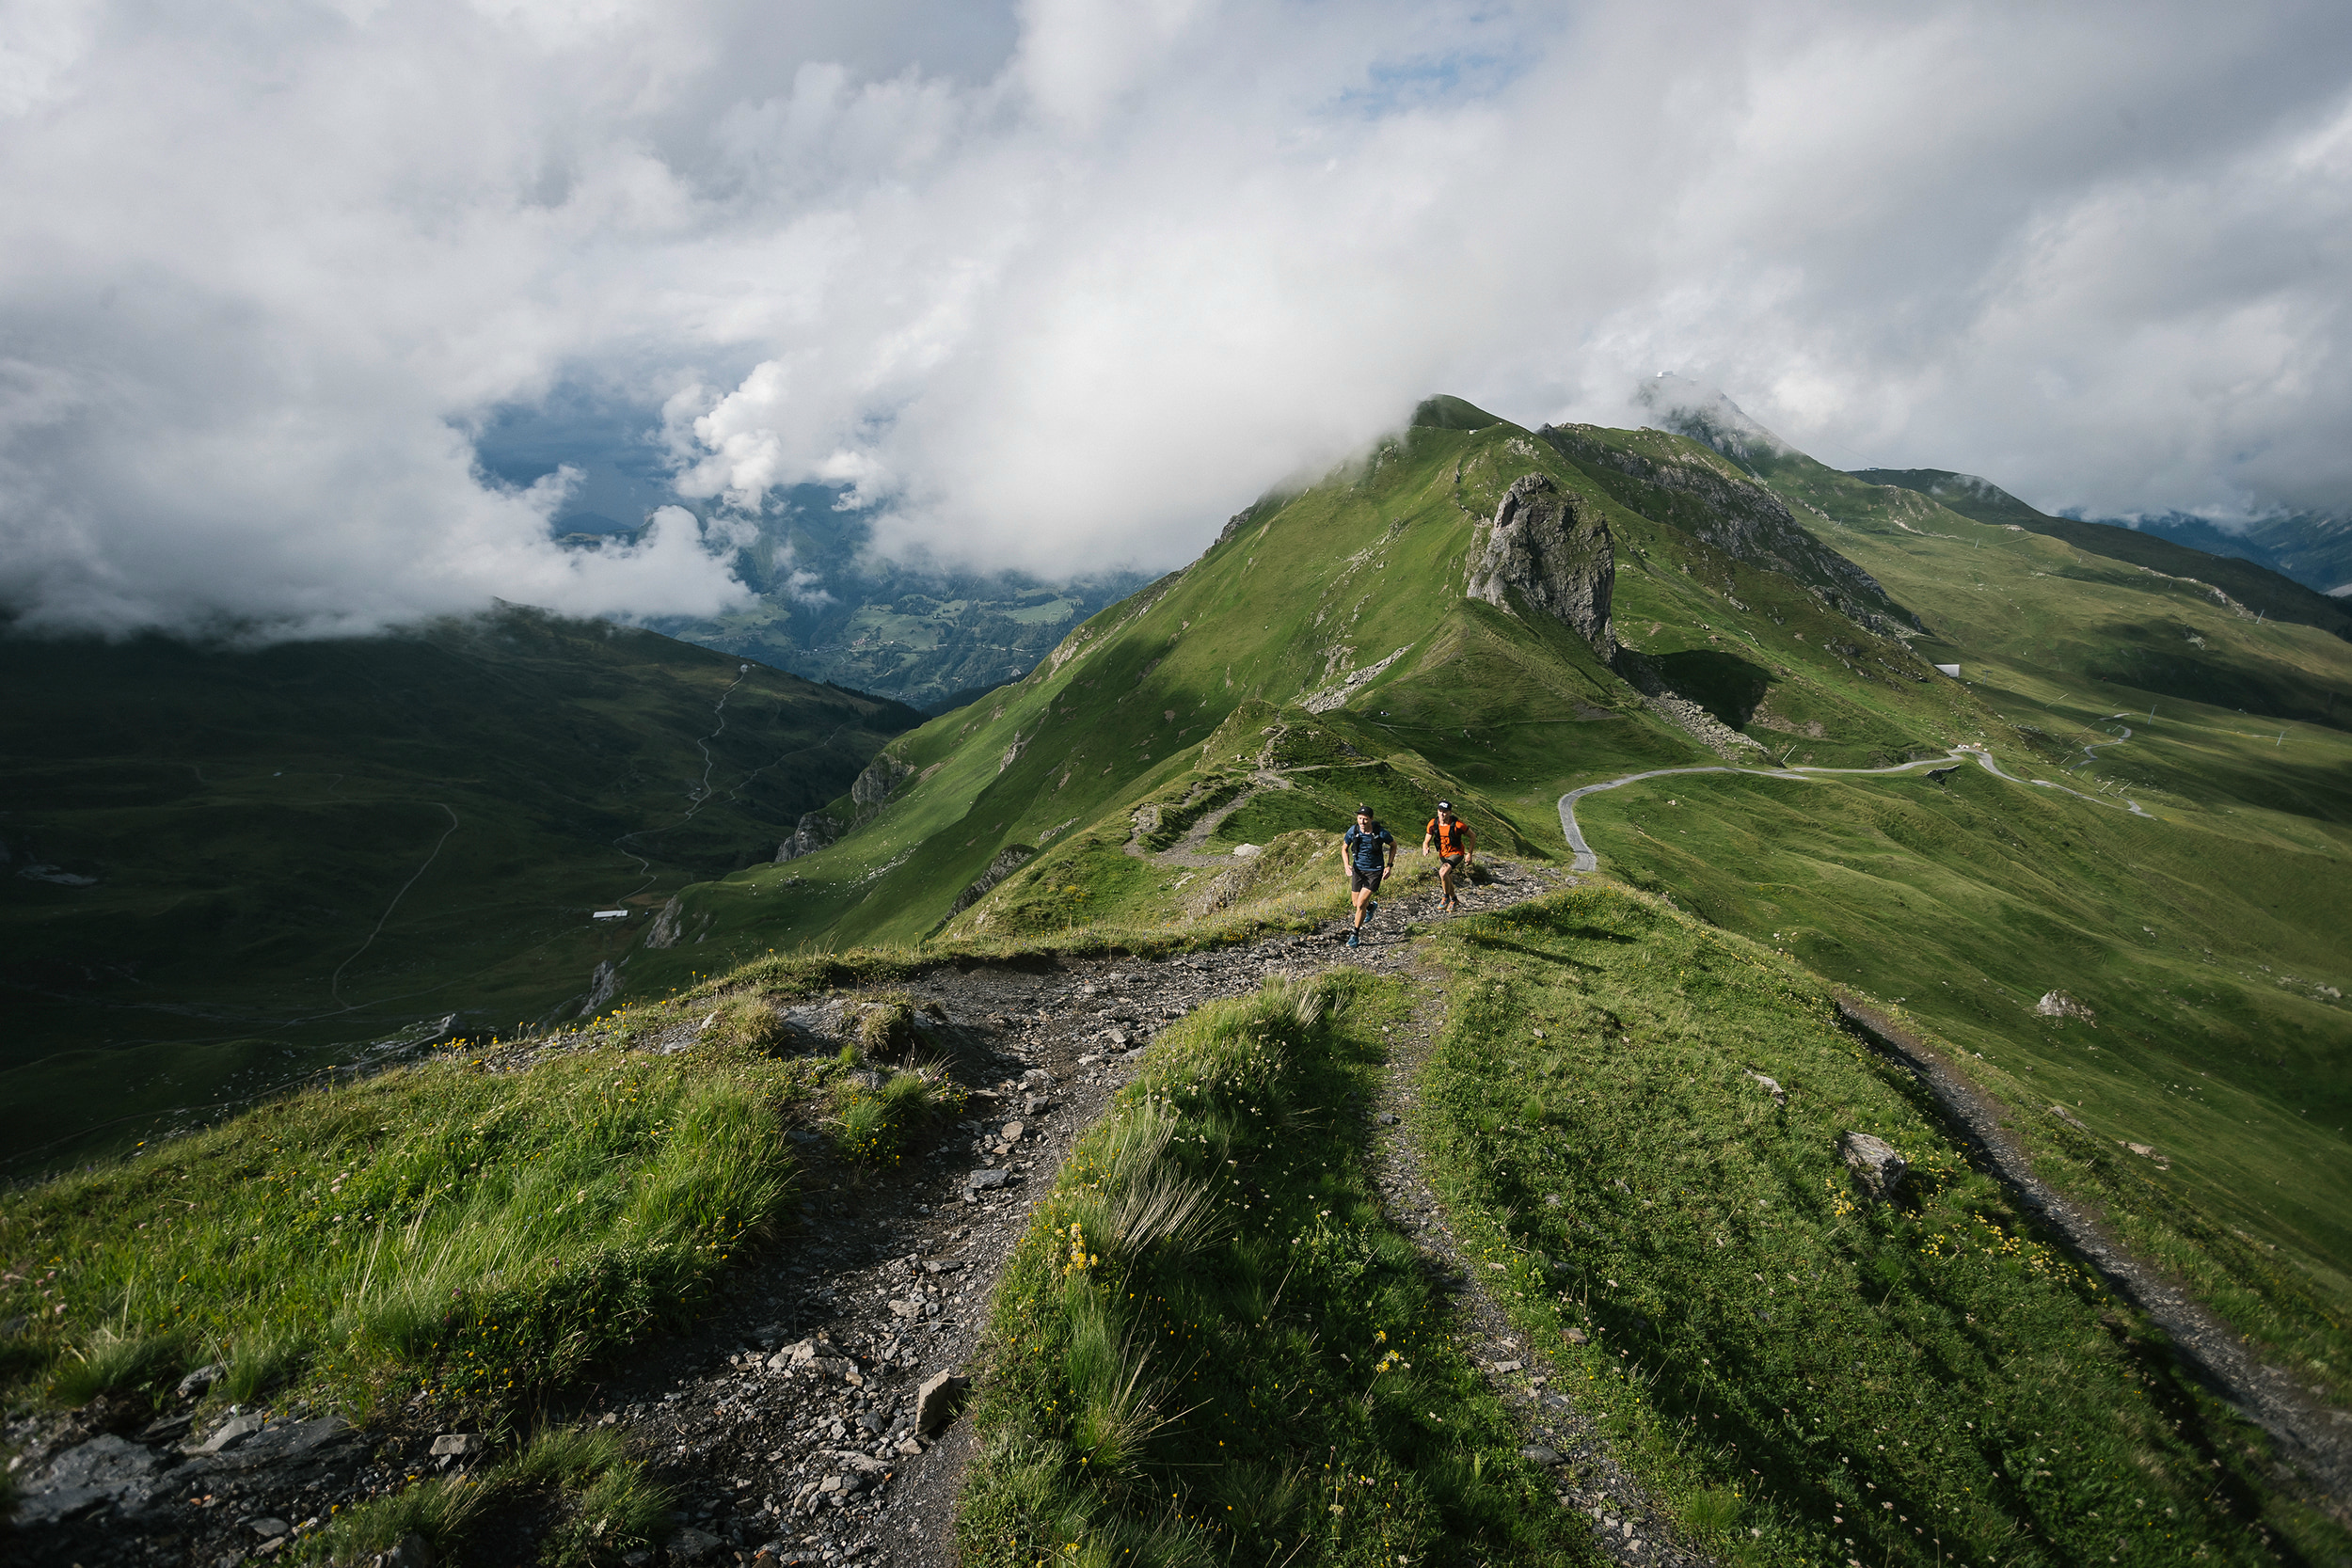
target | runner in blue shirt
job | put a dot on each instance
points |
(1368, 850)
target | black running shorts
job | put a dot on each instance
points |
(1361, 881)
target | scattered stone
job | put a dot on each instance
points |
(2069, 1117)
(1874, 1163)
(2058, 1004)
(458, 1445)
(937, 1402)
(1772, 1086)
(1501, 1368)
(268, 1529)
(230, 1433)
(987, 1180)
(200, 1381)
(2146, 1151)
(1536, 1454)
(1013, 1132)
(1385, 1119)
(1573, 1336)
(692, 1545)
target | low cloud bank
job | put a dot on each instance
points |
(1054, 287)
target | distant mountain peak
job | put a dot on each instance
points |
(1703, 413)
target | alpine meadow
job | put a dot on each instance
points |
(1882, 1099)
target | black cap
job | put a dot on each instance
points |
(1445, 805)
(1364, 811)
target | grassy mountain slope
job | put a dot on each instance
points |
(226, 862)
(2205, 935)
(1730, 579)
(1356, 580)
(2023, 602)
(2255, 586)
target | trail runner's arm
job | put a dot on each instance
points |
(1469, 846)
(1428, 838)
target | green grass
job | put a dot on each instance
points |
(597, 1503)
(1807, 1375)
(1209, 1346)
(1967, 902)
(478, 1235)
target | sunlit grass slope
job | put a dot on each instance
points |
(479, 1236)
(2258, 588)
(1211, 1347)
(1810, 1375)
(2208, 944)
(254, 854)
(1366, 568)
(1998, 595)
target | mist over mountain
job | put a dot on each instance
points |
(2314, 548)
(1056, 289)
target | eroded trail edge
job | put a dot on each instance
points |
(2316, 1439)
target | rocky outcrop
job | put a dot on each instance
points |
(665, 925)
(882, 775)
(1009, 859)
(2058, 1005)
(815, 831)
(1556, 551)
(1746, 521)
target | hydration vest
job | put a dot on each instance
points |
(1449, 836)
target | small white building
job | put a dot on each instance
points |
(1951, 670)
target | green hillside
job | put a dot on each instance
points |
(2255, 586)
(1348, 598)
(228, 865)
(1606, 1129)
(1804, 610)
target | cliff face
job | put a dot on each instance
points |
(1742, 518)
(1557, 552)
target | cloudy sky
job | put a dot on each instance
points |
(1057, 285)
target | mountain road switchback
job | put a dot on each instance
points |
(1587, 861)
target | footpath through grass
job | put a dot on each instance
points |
(1807, 1375)
(479, 1236)
(1210, 1347)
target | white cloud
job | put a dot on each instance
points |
(1057, 286)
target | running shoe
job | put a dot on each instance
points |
(1372, 907)
(1351, 938)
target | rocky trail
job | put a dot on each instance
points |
(809, 1418)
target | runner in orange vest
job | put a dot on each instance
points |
(1455, 845)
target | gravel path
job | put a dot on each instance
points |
(1627, 1526)
(2314, 1439)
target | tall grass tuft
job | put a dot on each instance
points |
(476, 1235)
